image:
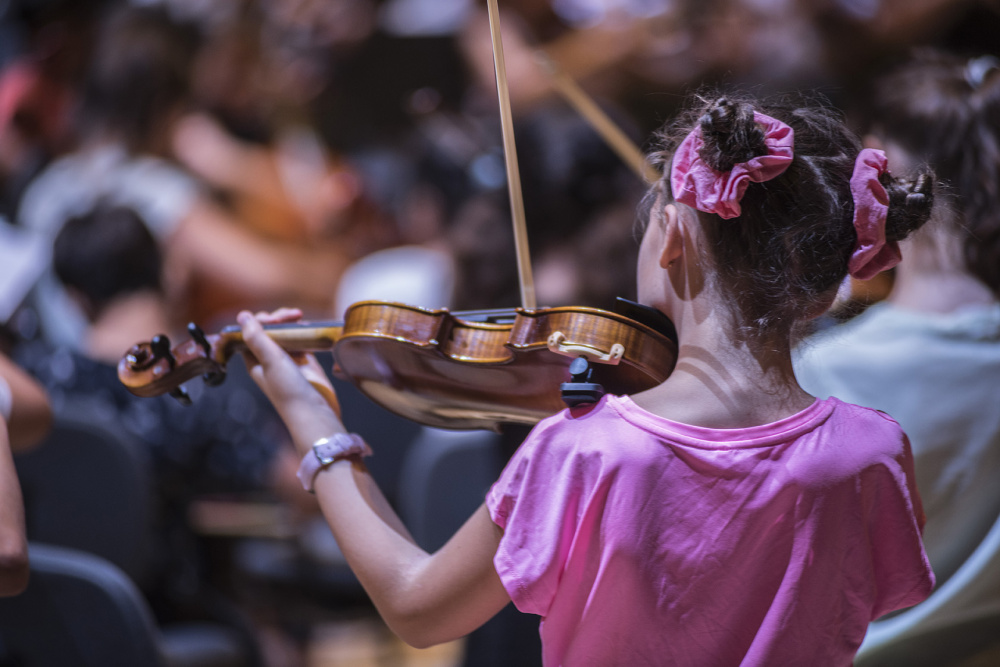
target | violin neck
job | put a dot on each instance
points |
(322, 335)
(294, 336)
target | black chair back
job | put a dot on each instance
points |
(87, 487)
(78, 610)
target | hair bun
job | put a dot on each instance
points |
(730, 134)
(921, 194)
(910, 203)
(720, 118)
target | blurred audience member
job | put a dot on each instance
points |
(136, 90)
(25, 417)
(34, 112)
(228, 442)
(13, 541)
(929, 355)
(41, 60)
(24, 406)
(252, 138)
(589, 43)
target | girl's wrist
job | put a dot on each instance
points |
(328, 450)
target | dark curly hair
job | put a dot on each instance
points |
(105, 253)
(787, 253)
(945, 110)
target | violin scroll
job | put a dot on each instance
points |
(154, 368)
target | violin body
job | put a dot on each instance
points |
(443, 369)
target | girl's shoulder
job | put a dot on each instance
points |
(618, 420)
(862, 436)
(859, 416)
(584, 430)
(607, 416)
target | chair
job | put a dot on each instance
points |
(445, 477)
(78, 609)
(88, 488)
(959, 619)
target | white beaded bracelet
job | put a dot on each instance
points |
(327, 450)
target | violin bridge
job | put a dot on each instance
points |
(557, 343)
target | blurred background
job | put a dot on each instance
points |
(171, 161)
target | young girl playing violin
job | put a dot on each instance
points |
(723, 517)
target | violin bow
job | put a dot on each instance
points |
(527, 282)
(613, 136)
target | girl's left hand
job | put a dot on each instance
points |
(297, 386)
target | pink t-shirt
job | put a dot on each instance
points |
(643, 541)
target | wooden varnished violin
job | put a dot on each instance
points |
(451, 370)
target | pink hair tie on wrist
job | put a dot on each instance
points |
(872, 253)
(698, 185)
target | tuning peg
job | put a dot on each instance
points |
(214, 378)
(199, 337)
(160, 345)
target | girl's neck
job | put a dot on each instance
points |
(717, 384)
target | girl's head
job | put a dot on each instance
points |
(779, 252)
(944, 110)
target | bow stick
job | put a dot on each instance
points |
(526, 280)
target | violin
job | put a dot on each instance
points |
(467, 370)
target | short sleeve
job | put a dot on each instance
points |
(536, 502)
(903, 574)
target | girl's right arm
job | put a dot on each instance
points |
(424, 598)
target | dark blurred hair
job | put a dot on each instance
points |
(107, 253)
(945, 111)
(139, 74)
(787, 253)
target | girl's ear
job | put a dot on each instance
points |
(673, 246)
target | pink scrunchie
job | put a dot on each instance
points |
(696, 184)
(872, 253)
